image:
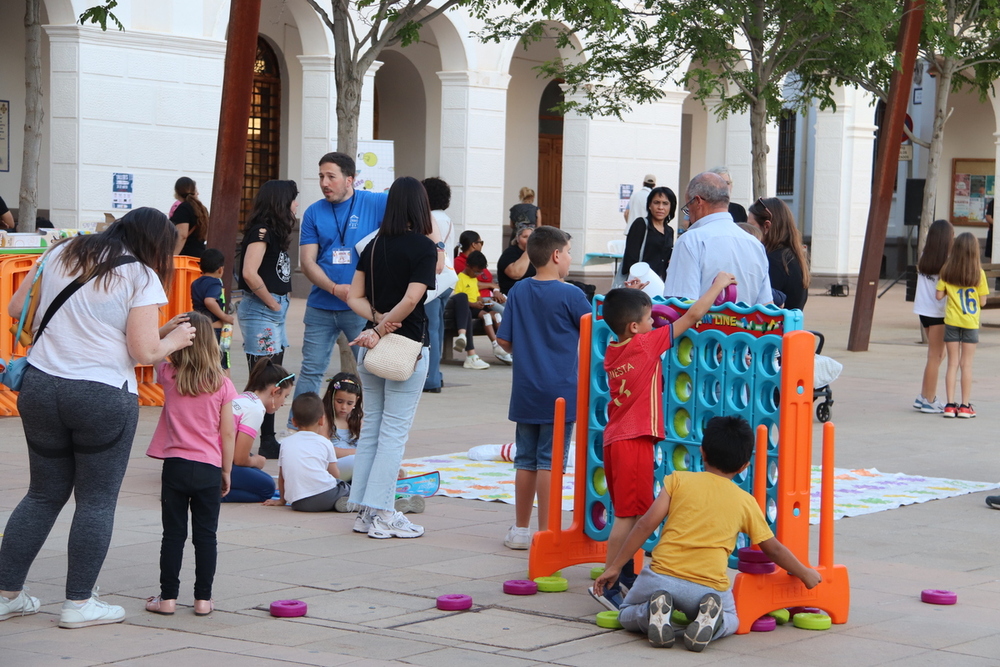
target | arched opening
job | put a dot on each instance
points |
(550, 153)
(264, 128)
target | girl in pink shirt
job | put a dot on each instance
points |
(195, 438)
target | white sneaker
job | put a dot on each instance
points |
(518, 538)
(22, 605)
(459, 343)
(364, 521)
(92, 612)
(502, 356)
(397, 525)
(473, 362)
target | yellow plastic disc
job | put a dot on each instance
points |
(608, 619)
(595, 572)
(600, 482)
(680, 458)
(685, 352)
(682, 387)
(812, 621)
(552, 584)
(780, 615)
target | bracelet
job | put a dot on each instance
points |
(375, 329)
(258, 287)
(333, 290)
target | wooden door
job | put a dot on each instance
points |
(549, 196)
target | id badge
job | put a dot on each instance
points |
(341, 255)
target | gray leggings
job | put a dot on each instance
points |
(79, 436)
(634, 612)
(322, 502)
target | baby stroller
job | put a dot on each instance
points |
(825, 371)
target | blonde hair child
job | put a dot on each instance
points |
(963, 283)
(195, 438)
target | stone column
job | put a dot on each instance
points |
(842, 185)
(366, 124)
(473, 135)
(319, 117)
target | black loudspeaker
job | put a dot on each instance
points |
(914, 203)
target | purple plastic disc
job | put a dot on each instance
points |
(934, 596)
(764, 624)
(520, 587)
(748, 555)
(756, 568)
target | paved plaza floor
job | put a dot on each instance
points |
(372, 602)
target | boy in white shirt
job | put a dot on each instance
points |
(307, 477)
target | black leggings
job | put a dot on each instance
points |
(79, 437)
(463, 318)
(198, 486)
(266, 426)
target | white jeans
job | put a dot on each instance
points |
(389, 410)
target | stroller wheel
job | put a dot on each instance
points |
(823, 412)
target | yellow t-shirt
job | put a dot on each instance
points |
(962, 303)
(468, 285)
(706, 514)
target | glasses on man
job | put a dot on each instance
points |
(686, 208)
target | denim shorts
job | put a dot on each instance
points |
(263, 329)
(534, 446)
(960, 335)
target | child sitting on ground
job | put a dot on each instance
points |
(307, 476)
(635, 411)
(705, 511)
(479, 306)
(542, 321)
(208, 298)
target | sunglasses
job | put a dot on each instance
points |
(760, 200)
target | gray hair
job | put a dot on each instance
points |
(711, 187)
(721, 171)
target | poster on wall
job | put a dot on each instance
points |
(972, 187)
(624, 195)
(375, 163)
(121, 191)
(4, 135)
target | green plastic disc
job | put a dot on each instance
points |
(595, 572)
(812, 621)
(552, 584)
(679, 617)
(608, 619)
(780, 615)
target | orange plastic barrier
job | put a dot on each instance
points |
(756, 594)
(13, 269)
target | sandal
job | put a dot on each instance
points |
(158, 605)
(204, 607)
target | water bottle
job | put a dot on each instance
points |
(226, 337)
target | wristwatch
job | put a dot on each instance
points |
(440, 245)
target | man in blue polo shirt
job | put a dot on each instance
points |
(330, 229)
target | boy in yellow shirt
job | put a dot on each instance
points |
(705, 511)
(467, 297)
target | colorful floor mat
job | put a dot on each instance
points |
(856, 492)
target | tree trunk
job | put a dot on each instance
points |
(33, 115)
(944, 77)
(758, 147)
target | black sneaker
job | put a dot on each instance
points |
(661, 606)
(611, 599)
(703, 627)
(993, 501)
(269, 447)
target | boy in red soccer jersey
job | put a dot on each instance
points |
(635, 412)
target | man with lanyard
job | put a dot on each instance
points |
(331, 228)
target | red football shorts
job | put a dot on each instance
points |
(628, 469)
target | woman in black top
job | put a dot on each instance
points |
(265, 276)
(190, 218)
(525, 210)
(655, 230)
(786, 258)
(513, 264)
(394, 272)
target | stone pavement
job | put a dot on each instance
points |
(371, 602)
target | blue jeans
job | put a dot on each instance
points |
(389, 410)
(249, 485)
(263, 329)
(322, 329)
(435, 331)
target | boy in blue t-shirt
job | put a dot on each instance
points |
(542, 320)
(208, 298)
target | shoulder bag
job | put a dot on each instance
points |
(621, 276)
(12, 374)
(395, 356)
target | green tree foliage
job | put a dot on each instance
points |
(741, 53)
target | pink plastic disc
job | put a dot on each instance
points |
(664, 314)
(727, 295)
(454, 602)
(520, 587)
(756, 568)
(933, 596)
(748, 555)
(764, 624)
(288, 608)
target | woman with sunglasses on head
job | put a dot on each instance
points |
(265, 276)
(787, 261)
(652, 235)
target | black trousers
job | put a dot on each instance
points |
(198, 486)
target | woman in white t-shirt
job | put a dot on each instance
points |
(439, 197)
(931, 311)
(79, 400)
